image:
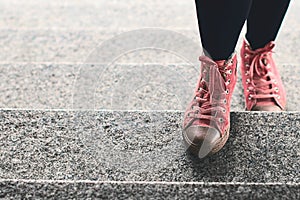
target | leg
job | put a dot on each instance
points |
(220, 23)
(264, 21)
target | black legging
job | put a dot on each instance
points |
(221, 21)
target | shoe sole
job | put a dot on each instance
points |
(217, 147)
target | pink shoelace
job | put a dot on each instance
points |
(260, 74)
(210, 97)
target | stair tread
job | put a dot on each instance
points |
(115, 87)
(106, 190)
(76, 45)
(144, 146)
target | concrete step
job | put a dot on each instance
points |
(144, 146)
(152, 45)
(20, 189)
(114, 86)
(109, 14)
(88, 153)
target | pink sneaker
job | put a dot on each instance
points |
(207, 118)
(263, 88)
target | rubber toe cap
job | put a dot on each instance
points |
(201, 140)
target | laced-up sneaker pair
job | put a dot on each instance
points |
(207, 118)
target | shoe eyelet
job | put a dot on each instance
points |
(247, 73)
(228, 81)
(250, 97)
(224, 111)
(247, 65)
(224, 101)
(276, 89)
(221, 120)
(227, 91)
(230, 71)
(248, 81)
(278, 97)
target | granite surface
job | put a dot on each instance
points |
(144, 146)
(38, 31)
(123, 55)
(108, 14)
(107, 190)
(115, 86)
(100, 14)
(55, 45)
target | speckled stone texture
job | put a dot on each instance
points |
(97, 14)
(68, 31)
(144, 146)
(87, 14)
(96, 86)
(36, 31)
(49, 153)
(34, 45)
(102, 190)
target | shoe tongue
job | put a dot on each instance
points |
(262, 71)
(220, 63)
(215, 80)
